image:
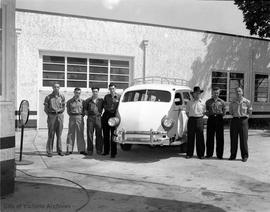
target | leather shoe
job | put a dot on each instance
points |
(83, 153)
(61, 153)
(112, 156)
(68, 153)
(202, 157)
(208, 156)
(188, 157)
(244, 159)
(231, 158)
(49, 155)
(105, 153)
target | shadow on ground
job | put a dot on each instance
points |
(45, 197)
(138, 154)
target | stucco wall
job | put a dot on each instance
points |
(179, 53)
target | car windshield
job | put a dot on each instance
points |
(147, 95)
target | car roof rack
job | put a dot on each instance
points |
(159, 80)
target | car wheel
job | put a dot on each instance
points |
(126, 147)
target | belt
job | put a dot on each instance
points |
(75, 114)
(195, 117)
(54, 112)
(240, 117)
(94, 115)
(216, 115)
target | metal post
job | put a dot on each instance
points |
(21, 148)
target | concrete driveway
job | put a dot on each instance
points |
(143, 179)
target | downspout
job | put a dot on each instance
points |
(145, 43)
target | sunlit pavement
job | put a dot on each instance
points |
(142, 179)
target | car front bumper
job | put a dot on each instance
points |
(150, 137)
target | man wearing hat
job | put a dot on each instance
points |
(195, 110)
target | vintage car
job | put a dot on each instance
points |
(152, 114)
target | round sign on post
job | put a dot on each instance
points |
(24, 113)
(23, 119)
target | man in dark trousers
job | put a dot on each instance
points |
(93, 108)
(215, 110)
(195, 110)
(240, 108)
(111, 102)
(76, 123)
(54, 106)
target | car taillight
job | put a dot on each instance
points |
(114, 121)
(167, 123)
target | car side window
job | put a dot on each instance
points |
(187, 97)
(178, 99)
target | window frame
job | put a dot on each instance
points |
(228, 79)
(253, 82)
(66, 55)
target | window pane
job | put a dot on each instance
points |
(236, 75)
(119, 78)
(121, 85)
(73, 68)
(98, 62)
(219, 74)
(52, 82)
(99, 70)
(120, 63)
(149, 95)
(53, 75)
(75, 60)
(53, 59)
(119, 71)
(261, 88)
(76, 84)
(219, 79)
(236, 80)
(77, 76)
(98, 84)
(53, 67)
(98, 77)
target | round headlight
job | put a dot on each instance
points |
(167, 123)
(114, 121)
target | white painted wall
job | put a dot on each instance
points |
(190, 55)
(8, 63)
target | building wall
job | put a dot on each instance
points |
(171, 52)
(7, 97)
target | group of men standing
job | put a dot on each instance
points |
(240, 108)
(98, 112)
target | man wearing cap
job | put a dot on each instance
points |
(54, 106)
(76, 123)
(215, 110)
(240, 108)
(195, 110)
(111, 102)
(93, 108)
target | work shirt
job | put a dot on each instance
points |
(111, 102)
(195, 108)
(93, 108)
(215, 107)
(54, 103)
(240, 108)
(75, 106)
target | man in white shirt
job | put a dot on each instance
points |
(195, 110)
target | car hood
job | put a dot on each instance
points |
(142, 116)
